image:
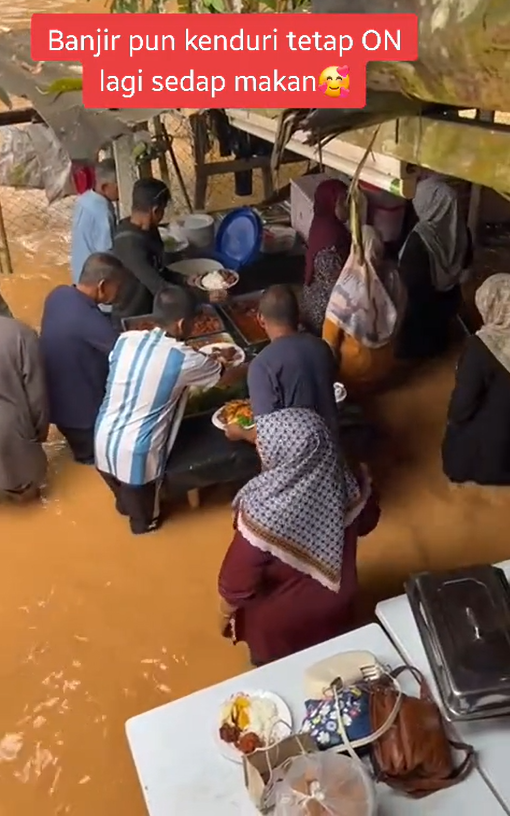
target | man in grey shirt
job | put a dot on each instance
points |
(296, 370)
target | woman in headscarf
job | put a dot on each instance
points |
(329, 242)
(288, 580)
(476, 447)
(363, 314)
(432, 262)
(23, 412)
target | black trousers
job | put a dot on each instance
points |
(81, 442)
(140, 504)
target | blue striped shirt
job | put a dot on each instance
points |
(146, 395)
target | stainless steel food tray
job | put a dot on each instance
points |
(209, 310)
(226, 311)
(463, 618)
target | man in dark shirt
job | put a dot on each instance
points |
(138, 244)
(76, 340)
(296, 370)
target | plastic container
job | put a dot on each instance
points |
(277, 239)
(386, 212)
(239, 238)
(199, 230)
(325, 784)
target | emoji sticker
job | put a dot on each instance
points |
(334, 81)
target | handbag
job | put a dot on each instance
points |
(414, 756)
(336, 677)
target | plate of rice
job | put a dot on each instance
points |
(250, 720)
(217, 280)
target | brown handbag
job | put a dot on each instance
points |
(415, 755)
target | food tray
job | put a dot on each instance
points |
(211, 313)
(211, 340)
(229, 312)
(463, 618)
(138, 323)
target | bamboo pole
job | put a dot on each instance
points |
(5, 255)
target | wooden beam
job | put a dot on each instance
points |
(19, 117)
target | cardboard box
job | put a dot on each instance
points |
(266, 764)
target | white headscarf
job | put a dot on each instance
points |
(368, 297)
(493, 302)
(443, 230)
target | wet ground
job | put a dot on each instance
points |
(97, 626)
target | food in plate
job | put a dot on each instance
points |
(170, 242)
(227, 353)
(248, 722)
(219, 279)
(205, 323)
(244, 315)
(237, 412)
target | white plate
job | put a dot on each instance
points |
(199, 285)
(216, 421)
(241, 356)
(281, 730)
(340, 392)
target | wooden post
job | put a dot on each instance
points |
(476, 190)
(127, 172)
(5, 255)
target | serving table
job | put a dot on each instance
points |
(182, 772)
(490, 738)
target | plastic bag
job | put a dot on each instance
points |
(31, 157)
(325, 785)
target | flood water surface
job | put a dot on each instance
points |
(97, 625)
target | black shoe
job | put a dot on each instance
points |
(139, 529)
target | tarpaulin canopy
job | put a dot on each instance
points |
(81, 132)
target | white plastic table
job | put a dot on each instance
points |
(182, 772)
(490, 738)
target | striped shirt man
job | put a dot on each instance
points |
(146, 394)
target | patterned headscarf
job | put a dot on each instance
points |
(493, 302)
(368, 297)
(297, 509)
(443, 230)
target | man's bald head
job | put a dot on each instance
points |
(279, 307)
(101, 277)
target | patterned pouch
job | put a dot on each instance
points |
(321, 720)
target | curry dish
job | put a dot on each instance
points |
(244, 315)
(206, 324)
(238, 412)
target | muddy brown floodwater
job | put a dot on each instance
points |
(97, 626)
